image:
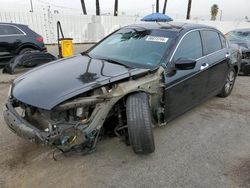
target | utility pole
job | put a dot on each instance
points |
(164, 7)
(116, 8)
(83, 7)
(157, 6)
(189, 9)
(153, 8)
(31, 6)
(97, 7)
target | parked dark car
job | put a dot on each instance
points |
(17, 39)
(241, 37)
(139, 76)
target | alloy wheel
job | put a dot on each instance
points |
(230, 81)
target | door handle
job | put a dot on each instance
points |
(227, 55)
(204, 65)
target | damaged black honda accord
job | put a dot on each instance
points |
(138, 77)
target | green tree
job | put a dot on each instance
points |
(214, 11)
(97, 7)
(189, 9)
(116, 8)
(164, 7)
(83, 7)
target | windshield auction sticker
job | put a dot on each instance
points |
(156, 39)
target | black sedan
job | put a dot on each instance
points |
(139, 76)
(241, 38)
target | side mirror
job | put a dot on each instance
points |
(185, 64)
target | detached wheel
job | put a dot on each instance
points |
(228, 87)
(139, 123)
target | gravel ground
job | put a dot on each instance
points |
(206, 147)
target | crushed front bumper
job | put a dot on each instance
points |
(21, 127)
(84, 135)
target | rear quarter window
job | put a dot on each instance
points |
(9, 30)
(211, 41)
(223, 41)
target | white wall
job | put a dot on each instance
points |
(90, 28)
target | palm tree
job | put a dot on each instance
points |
(97, 7)
(214, 11)
(189, 9)
(157, 5)
(116, 8)
(83, 7)
(164, 7)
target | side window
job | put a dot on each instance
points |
(223, 41)
(9, 30)
(211, 41)
(190, 47)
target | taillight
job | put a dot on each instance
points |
(39, 39)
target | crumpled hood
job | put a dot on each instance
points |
(48, 85)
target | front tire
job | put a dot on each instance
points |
(139, 123)
(228, 87)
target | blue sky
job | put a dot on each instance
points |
(231, 10)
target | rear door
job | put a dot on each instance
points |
(186, 88)
(9, 39)
(218, 55)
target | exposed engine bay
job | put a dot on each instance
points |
(77, 123)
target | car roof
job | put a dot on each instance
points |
(170, 26)
(16, 24)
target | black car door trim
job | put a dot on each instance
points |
(217, 62)
(194, 74)
(188, 76)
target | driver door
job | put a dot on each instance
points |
(186, 88)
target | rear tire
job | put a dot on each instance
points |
(228, 87)
(139, 123)
(25, 50)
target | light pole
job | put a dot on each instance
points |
(153, 8)
(31, 6)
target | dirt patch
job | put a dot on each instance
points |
(2, 183)
(238, 106)
(240, 173)
(19, 160)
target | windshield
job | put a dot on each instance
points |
(138, 48)
(239, 36)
